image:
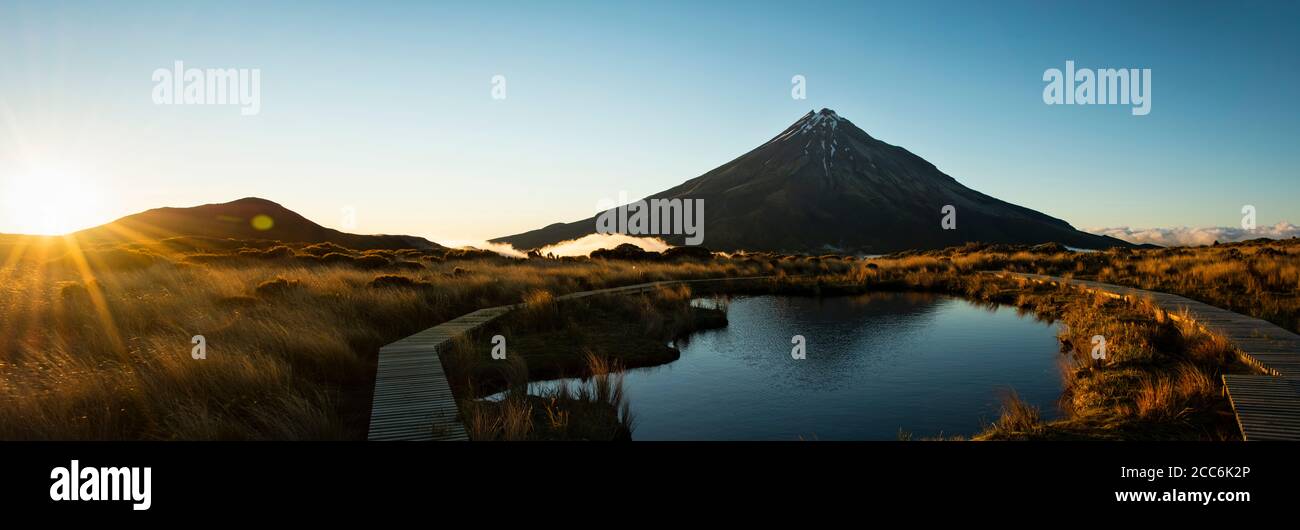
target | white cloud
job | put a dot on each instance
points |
(586, 244)
(1188, 236)
(573, 247)
(500, 248)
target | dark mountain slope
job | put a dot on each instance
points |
(236, 220)
(824, 183)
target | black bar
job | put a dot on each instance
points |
(422, 480)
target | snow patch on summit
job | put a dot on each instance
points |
(828, 116)
(823, 120)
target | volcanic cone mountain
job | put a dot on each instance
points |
(825, 184)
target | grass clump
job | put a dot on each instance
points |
(596, 410)
(1018, 419)
(277, 287)
(384, 281)
(557, 339)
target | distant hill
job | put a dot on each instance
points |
(823, 184)
(248, 218)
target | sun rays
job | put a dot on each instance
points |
(68, 260)
(50, 203)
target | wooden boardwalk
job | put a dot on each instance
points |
(413, 399)
(1267, 406)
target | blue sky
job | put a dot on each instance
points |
(386, 107)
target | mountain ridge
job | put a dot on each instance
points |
(822, 183)
(236, 220)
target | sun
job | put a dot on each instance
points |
(49, 203)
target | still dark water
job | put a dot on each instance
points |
(926, 364)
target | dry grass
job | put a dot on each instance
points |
(1017, 419)
(1259, 278)
(1161, 376)
(596, 410)
(1173, 396)
(96, 344)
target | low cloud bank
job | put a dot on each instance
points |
(1188, 236)
(586, 244)
(500, 248)
(574, 247)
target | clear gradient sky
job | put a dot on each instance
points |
(386, 107)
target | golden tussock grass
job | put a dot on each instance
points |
(597, 410)
(96, 343)
(100, 347)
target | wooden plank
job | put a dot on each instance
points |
(1268, 408)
